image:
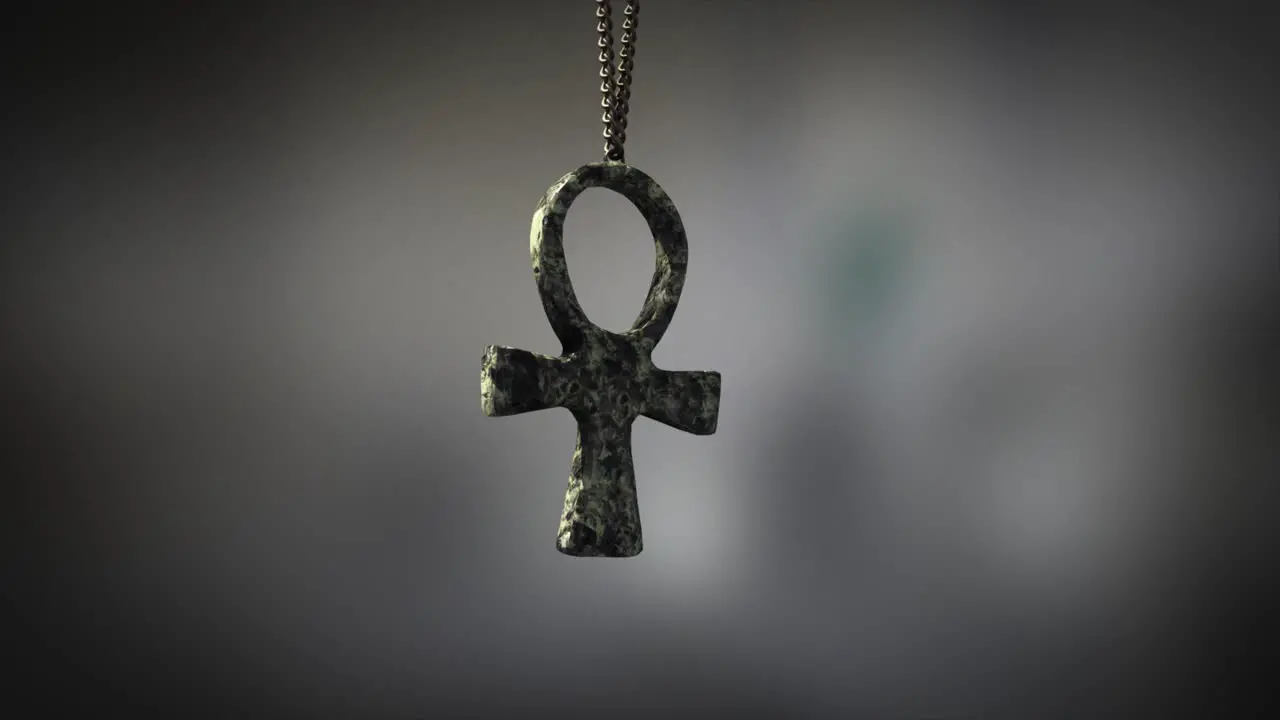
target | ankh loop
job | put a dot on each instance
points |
(605, 379)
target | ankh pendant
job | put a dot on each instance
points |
(605, 379)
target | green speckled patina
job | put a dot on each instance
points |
(605, 379)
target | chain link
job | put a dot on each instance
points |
(615, 88)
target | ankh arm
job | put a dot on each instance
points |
(514, 381)
(687, 400)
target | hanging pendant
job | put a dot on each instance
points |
(605, 379)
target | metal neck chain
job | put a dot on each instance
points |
(615, 90)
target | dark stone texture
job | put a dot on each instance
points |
(605, 379)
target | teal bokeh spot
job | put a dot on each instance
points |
(863, 267)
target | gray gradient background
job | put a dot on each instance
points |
(992, 290)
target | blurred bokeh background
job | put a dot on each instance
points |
(992, 288)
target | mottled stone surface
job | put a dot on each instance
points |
(605, 379)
